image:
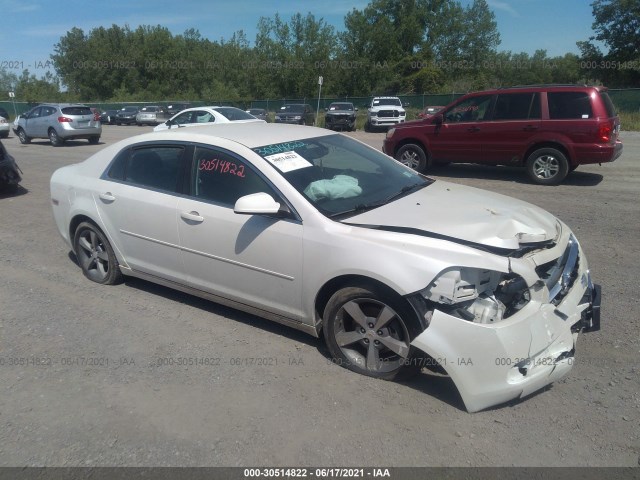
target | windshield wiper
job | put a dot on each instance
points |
(364, 207)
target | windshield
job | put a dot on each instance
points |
(340, 176)
(292, 108)
(233, 113)
(387, 101)
(341, 106)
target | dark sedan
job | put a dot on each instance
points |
(127, 115)
(108, 117)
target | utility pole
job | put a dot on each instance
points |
(315, 123)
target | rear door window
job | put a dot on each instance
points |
(569, 105)
(517, 106)
(157, 167)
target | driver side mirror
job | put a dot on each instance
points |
(437, 119)
(258, 204)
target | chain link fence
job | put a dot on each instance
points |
(626, 100)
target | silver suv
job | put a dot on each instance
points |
(384, 112)
(59, 122)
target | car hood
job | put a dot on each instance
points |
(465, 214)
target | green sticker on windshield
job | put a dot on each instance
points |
(278, 148)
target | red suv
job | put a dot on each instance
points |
(548, 129)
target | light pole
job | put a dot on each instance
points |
(12, 96)
(315, 123)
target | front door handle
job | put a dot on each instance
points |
(530, 128)
(107, 197)
(192, 216)
(473, 129)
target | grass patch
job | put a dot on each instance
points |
(630, 121)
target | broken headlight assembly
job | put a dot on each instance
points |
(476, 295)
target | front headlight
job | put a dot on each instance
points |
(297, 117)
(476, 295)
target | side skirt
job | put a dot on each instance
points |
(298, 325)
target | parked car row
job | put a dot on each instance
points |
(549, 130)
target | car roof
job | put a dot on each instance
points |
(251, 135)
(551, 87)
(62, 105)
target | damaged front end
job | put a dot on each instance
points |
(504, 335)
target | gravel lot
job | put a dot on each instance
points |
(88, 388)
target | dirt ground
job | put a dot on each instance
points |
(92, 375)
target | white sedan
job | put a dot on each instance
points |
(199, 116)
(320, 232)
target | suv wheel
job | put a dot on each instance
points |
(412, 156)
(23, 137)
(55, 140)
(547, 166)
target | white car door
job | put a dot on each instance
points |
(253, 259)
(137, 203)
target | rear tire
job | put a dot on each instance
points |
(94, 140)
(547, 166)
(54, 138)
(95, 255)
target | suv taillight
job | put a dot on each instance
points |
(605, 131)
(96, 117)
(65, 120)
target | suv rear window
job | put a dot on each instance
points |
(608, 104)
(569, 105)
(77, 111)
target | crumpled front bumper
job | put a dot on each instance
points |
(494, 363)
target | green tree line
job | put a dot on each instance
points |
(388, 47)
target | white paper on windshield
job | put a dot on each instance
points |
(288, 161)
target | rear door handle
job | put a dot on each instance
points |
(473, 129)
(530, 128)
(192, 216)
(107, 197)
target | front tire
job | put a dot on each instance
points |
(95, 255)
(412, 156)
(547, 166)
(22, 136)
(369, 332)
